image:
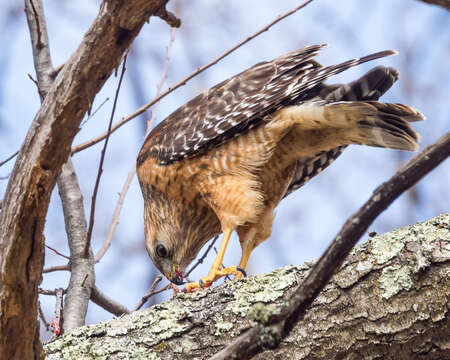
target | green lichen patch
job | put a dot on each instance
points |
(385, 248)
(262, 288)
(163, 320)
(261, 313)
(395, 278)
(221, 326)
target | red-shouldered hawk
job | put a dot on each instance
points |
(224, 160)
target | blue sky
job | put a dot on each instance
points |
(307, 220)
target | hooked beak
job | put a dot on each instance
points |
(177, 279)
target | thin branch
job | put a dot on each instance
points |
(57, 70)
(202, 258)
(107, 303)
(48, 292)
(58, 322)
(102, 159)
(9, 158)
(41, 95)
(94, 112)
(182, 82)
(116, 214)
(57, 252)
(279, 326)
(42, 316)
(57, 268)
(150, 293)
(161, 81)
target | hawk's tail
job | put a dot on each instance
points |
(375, 124)
(368, 87)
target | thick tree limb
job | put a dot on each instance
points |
(390, 299)
(82, 275)
(45, 149)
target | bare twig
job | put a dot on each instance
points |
(56, 70)
(9, 158)
(59, 318)
(41, 95)
(108, 304)
(150, 293)
(102, 159)
(57, 252)
(151, 122)
(48, 292)
(200, 260)
(116, 214)
(143, 108)
(57, 268)
(42, 316)
(94, 112)
(278, 326)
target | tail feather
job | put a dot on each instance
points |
(369, 87)
(377, 124)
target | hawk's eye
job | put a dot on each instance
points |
(161, 251)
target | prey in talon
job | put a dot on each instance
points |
(223, 161)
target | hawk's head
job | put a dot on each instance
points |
(175, 233)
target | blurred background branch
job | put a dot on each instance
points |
(444, 3)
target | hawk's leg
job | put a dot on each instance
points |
(216, 271)
(252, 235)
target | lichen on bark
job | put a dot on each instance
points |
(389, 299)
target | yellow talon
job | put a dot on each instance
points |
(207, 280)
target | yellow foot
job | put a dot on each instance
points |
(174, 289)
(238, 276)
(213, 276)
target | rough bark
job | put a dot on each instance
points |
(389, 300)
(45, 149)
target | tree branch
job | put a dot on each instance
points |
(102, 159)
(116, 214)
(107, 303)
(3, 162)
(389, 300)
(82, 274)
(40, 45)
(45, 149)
